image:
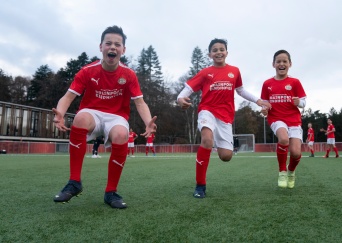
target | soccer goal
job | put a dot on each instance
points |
(246, 142)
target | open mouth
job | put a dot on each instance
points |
(111, 55)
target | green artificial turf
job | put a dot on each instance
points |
(243, 202)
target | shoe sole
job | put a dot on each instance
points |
(64, 202)
(282, 186)
(198, 195)
(291, 185)
(121, 207)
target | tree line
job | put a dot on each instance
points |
(46, 87)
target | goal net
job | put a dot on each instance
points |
(246, 142)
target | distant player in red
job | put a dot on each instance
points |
(131, 137)
(107, 87)
(311, 139)
(149, 144)
(286, 95)
(330, 132)
(96, 146)
(216, 109)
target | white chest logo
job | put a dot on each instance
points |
(95, 80)
(122, 81)
(288, 87)
(231, 75)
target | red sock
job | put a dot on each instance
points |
(152, 149)
(115, 165)
(128, 151)
(146, 150)
(202, 162)
(293, 163)
(132, 151)
(77, 150)
(282, 156)
(312, 151)
(336, 151)
(327, 154)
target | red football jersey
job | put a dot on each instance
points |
(131, 137)
(311, 135)
(329, 129)
(218, 86)
(279, 93)
(150, 138)
(106, 91)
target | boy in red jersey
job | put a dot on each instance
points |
(107, 87)
(330, 132)
(216, 109)
(285, 94)
(149, 144)
(311, 139)
(131, 137)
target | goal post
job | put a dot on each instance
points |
(246, 142)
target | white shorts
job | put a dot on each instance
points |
(331, 141)
(149, 144)
(311, 143)
(104, 122)
(131, 145)
(222, 132)
(294, 132)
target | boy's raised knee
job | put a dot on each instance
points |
(226, 158)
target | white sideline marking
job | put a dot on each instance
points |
(157, 157)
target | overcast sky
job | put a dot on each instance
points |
(40, 32)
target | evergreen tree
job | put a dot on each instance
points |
(5, 84)
(150, 76)
(198, 62)
(38, 92)
(151, 81)
(65, 76)
(125, 60)
(75, 65)
(19, 89)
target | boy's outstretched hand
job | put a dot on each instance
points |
(184, 102)
(264, 111)
(266, 106)
(150, 128)
(58, 120)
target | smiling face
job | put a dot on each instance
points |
(112, 48)
(218, 53)
(282, 64)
